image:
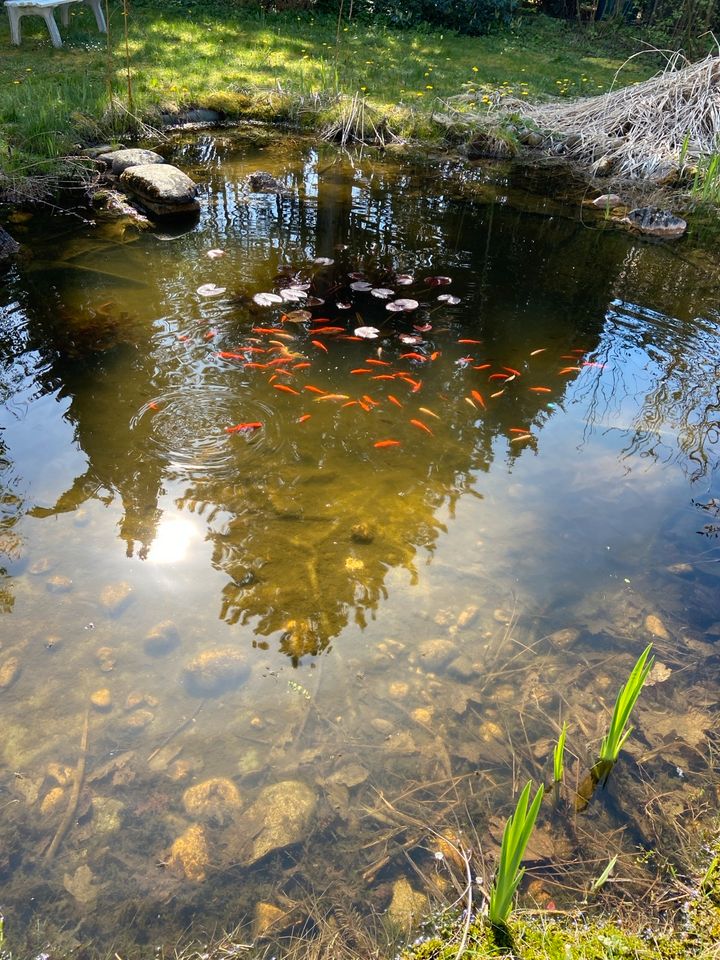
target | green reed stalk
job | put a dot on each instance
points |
(559, 755)
(618, 734)
(509, 873)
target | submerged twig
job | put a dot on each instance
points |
(74, 795)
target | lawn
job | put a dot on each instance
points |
(273, 65)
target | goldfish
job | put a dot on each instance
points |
(499, 393)
(467, 340)
(256, 366)
(512, 370)
(301, 366)
(435, 354)
(479, 397)
(252, 425)
(394, 400)
(471, 402)
(483, 366)
(568, 370)
(153, 406)
(534, 353)
(384, 376)
(319, 344)
(282, 372)
(541, 389)
(379, 363)
(312, 389)
(284, 387)
(332, 396)
(328, 330)
(226, 355)
(367, 399)
(361, 370)
(413, 356)
(271, 331)
(304, 417)
(386, 443)
(525, 436)
(498, 376)
(518, 430)
(350, 403)
(429, 412)
(279, 361)
(421, 426)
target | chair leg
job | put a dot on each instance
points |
(65, 14)
(49, 19)
(15, 32)
(99, 15)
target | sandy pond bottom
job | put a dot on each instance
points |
(296, 658)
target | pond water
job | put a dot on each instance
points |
(278, 664)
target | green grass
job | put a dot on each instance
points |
(273, 66)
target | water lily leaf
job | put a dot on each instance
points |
(449, 299)
(293, 294)
(404, 279)
(361, 286)
(210, 290)
(214, 254)
(343, 306)
(422, 327)
(298, 316)
(382, 293)
(367, 333)
(323, 261)
(357, 276)
(402, 306)
(438, 281)
(266, 299)
(409, 338)
(314, 302)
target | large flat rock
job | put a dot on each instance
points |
(161, 188)
(120, 160)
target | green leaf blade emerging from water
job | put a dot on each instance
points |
(627, 698)
(516, 835)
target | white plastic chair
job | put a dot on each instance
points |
(16, 9)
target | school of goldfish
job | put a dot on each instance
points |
(286, 359)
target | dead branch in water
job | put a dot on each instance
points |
(74, 795)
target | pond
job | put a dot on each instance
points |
(290, 613)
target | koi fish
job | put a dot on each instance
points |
(279, 361)
(525, 436)
(361, 370)
(498, 376)
(541, 389)
(253, 425)
(429, 412)
(312, 389)
(568, 370)
(467, 340)
(414, 356)
(379, 363)
(512, 370)
(350, 403)
(256, 366)
(471, 402)
(435, 354)
(319, 344)
(483, 366)
(301, 366)
(304, 417)
(329, 330)
(394, 400)
(498, 394)
(332, 396)
(522, 430)
(384, 376)
(366, 407)
(421, 426)
(386, 443)
(367, 399)
(286, 389)
(479, 397)
(282, 372)
(226, 355)
(534, 353)
(271, 331)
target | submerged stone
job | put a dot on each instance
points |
(279, 818)
(81, 884)
(114, 597)
(216, 671)
(216, 799)
(162, 189)
(407, 907)
(562, 639)
(268, 919)
(435, 654)
(163, 638)
(656, 627)
(9, 672)
(189, 854)
(52, 801)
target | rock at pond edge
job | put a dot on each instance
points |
(120, 160)
(216, 671)
(162, 189)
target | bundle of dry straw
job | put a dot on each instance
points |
(646, 130)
